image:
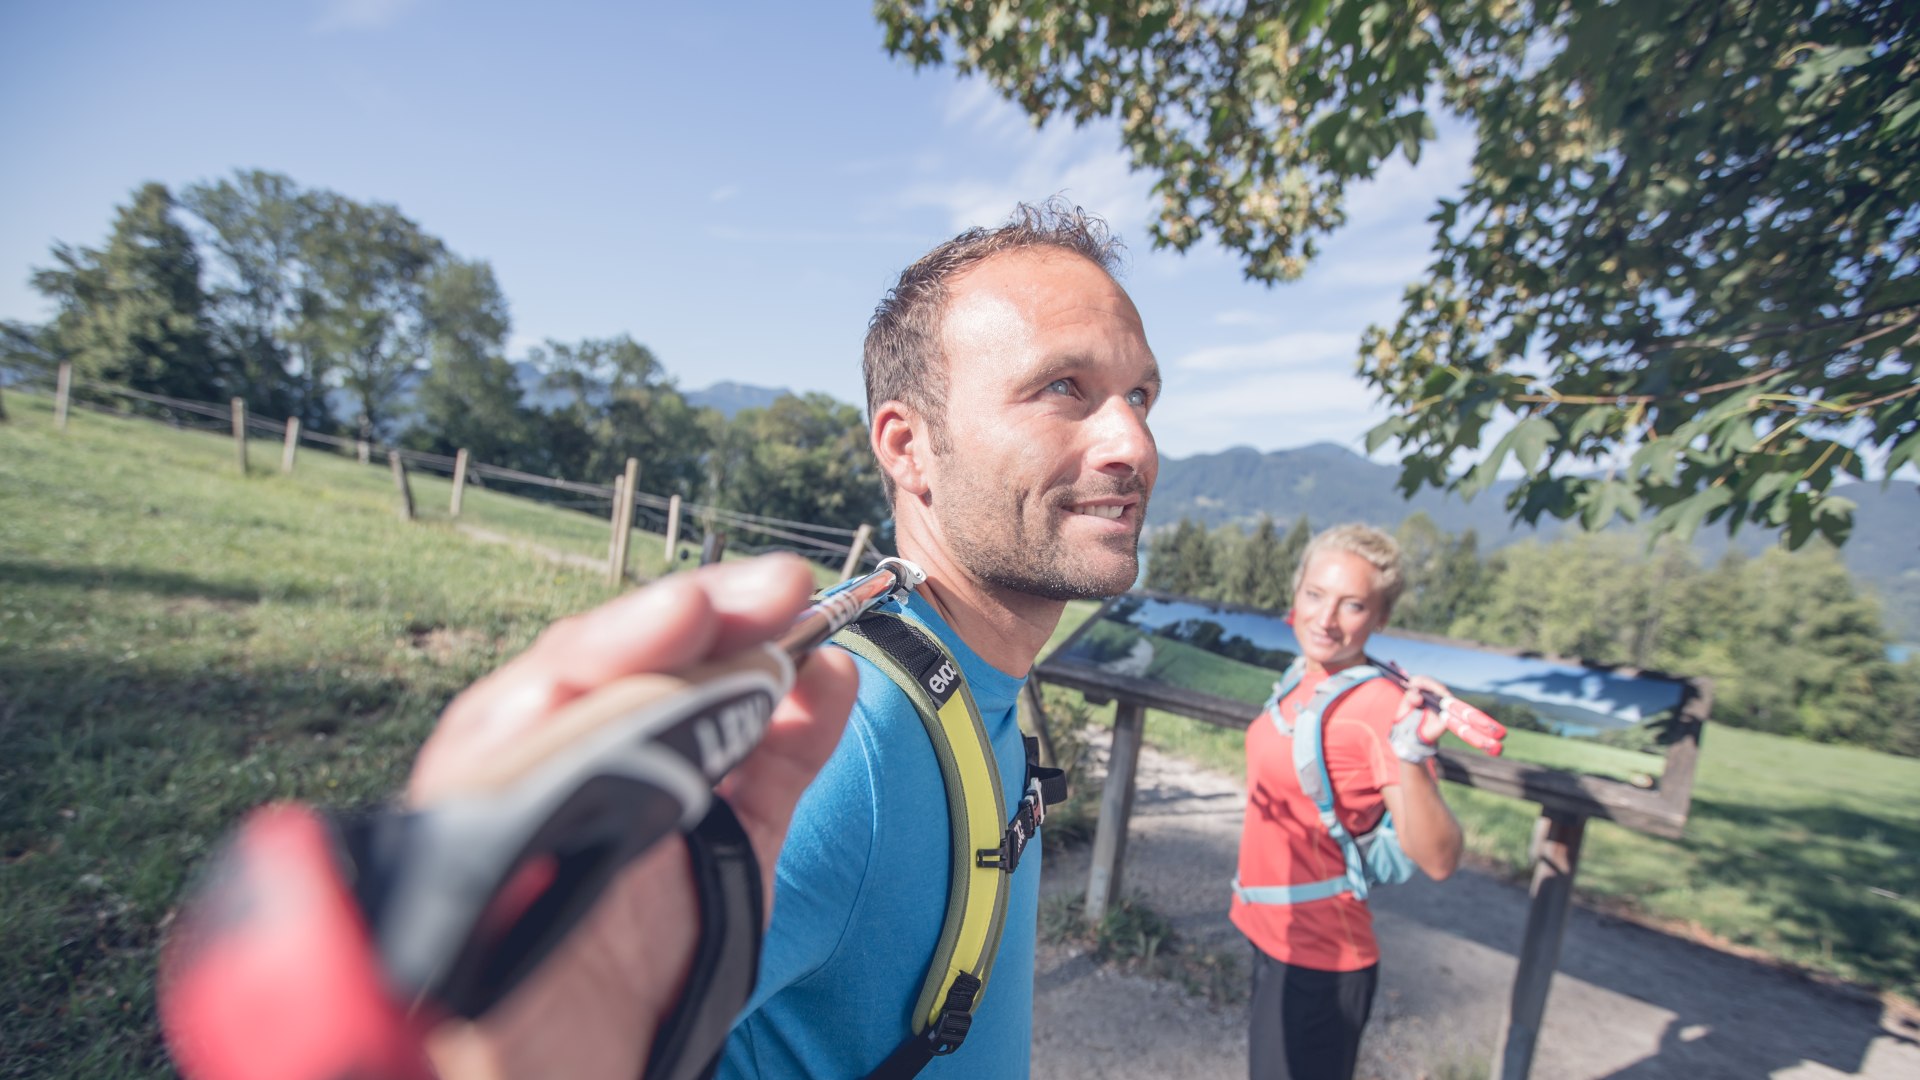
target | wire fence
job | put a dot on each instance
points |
(699, 523)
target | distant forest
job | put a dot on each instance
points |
(351, 317)
(1792, 644)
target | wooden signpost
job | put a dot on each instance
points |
(1567, 799)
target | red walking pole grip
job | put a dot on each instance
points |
(272, 974)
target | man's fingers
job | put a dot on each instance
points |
(806, 727)
(667, 626)
(754, 600)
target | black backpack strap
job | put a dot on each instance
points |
(726, 963)
(980, 854)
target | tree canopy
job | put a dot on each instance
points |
(348, 314)
(1682, 273)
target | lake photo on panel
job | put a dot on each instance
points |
(1560, 714)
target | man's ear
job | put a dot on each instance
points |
(901, 444)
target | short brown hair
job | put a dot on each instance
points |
(902, 360)
(1380, 551)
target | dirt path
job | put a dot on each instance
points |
(1628, 1003)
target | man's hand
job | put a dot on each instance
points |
(1474, 727)
(593, 1007)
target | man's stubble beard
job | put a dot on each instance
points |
(999, 544)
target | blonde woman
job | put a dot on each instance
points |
(1341, 795)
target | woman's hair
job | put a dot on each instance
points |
(1380, 551)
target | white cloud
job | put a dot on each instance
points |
(1269, 409)
(1285, 391)
(1082, 164)
(360, 14)
(723, 193)
(1299, 351)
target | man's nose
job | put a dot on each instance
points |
(1122, 441)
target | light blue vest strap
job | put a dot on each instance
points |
(1291, 894)
(1310, 765)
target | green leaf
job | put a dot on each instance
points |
(1310, 15)
(1530, 440)
(1383, 431)
(1683, 518)
(1593, 420)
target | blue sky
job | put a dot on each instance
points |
(732, 184)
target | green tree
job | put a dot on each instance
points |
(620, 404)
(1292, 547)
(1258, 571)
(1181, 560)
(254, 228)
(134, 312)
(1689, 231)
(469, 397)
(1444, 576)
(1806, 654)
(360, 318)
(802, 458)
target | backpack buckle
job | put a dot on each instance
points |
(956, 1015)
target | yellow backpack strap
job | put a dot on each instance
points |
(976, 809)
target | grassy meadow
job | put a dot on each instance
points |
(178, 644)
(1803, 852)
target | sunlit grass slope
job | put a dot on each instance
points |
(178, 644)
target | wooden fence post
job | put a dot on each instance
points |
(364, 451)
(613, 523)
(859, 547)
(240, 432)
(62, 390)
(713, 548)
(3, 407)
(673, 530)
(623, 522)
(459, 481)
(292, 447)
(400, 481)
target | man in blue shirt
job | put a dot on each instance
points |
(1008, 385)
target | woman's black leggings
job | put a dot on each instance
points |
(1305, 1024)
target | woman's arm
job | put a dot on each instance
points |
(1429, 833)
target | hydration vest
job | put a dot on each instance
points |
(1374, 857)
(985, 844)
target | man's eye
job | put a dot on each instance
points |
(1061, 386)
(1137, 398)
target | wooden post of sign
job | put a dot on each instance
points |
(240, 433)
(400, 481)
(613, 524)
(858, 549)
(1556, 856)
(1042, 728)
(1116, 808)
(459, 481)
(292, 446)
(673, 530)
(62, 390)
(623, 522)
